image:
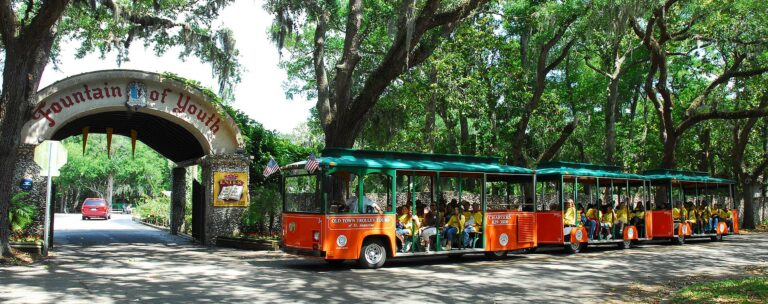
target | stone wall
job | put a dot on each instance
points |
(221, 221)
(27, 168)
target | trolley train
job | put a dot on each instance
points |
(371, 206)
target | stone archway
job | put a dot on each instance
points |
(177, 120)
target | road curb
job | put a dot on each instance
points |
(182, 235)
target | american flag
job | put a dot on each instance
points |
(272, 167)
(312, 163)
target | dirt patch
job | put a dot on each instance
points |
(661, 292)
(20, 258)
(762, 228)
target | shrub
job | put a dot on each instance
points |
(21, 214)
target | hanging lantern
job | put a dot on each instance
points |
(134, 135)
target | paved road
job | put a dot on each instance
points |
(119, 261)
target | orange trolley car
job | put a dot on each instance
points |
(607, 206)
(346, 209)
(691, 205)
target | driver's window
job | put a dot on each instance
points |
(378, 193)
(342, 192)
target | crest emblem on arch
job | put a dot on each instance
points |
(137, 95)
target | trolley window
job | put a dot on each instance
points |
(301, 194)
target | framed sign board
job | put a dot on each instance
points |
(230, 189)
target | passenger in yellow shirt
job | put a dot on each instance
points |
(725, 215)
(689, 214)
(702, 217)
(569, 217)
(404, 226)
(622, 218)
(676, 214)
(473, 223)
(452, 228)
(638, 218)
(606, 222)
(466, 211)
(593, 215)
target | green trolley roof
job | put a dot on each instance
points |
(337, 157)
(582, 169)
(688, 176)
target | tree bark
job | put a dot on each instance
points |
(343, 114)
(464, 127)
(110, 188)
(543, 67)
(429, 123)
(748, 195)
(555, 147)
(27, 49)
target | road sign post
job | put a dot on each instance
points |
(56, 158)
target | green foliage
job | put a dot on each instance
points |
(106, 27)
(155, 210)
(267, 199)
(744, 290)
(145, 174)
(475, 87)
(21, 214)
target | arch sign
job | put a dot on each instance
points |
(129, 90)
(176, 119)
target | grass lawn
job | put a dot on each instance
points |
(746, 290)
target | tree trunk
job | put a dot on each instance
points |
(705, 137)
(748, 195)
(76, 200)
(464, 125)
(429, 123)
(610, 121)
(110, 188)
(668, 158)
(23, 67)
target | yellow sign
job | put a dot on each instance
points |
(230, 189)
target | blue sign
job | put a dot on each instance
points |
(26, 184)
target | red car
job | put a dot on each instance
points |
(95, 207)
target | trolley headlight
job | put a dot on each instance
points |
(316, 235)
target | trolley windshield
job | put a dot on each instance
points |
(301, 193)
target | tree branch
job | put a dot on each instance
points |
(324, 106)
(555, 147)
(350, 57)
(760, 168)
(393, 64)
(693, 120)
(7, 23)
(559, 59)
(40, 27)
(599, 71)
(725, 77)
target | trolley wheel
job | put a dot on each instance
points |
(678, 240)
(496, 254)
(626, 244)
(573, 247)
(717, 238)
(373, 254)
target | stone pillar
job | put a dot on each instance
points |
(27, 168)
(221, 221)
(178, 198)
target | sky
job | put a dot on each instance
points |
(259, 94)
